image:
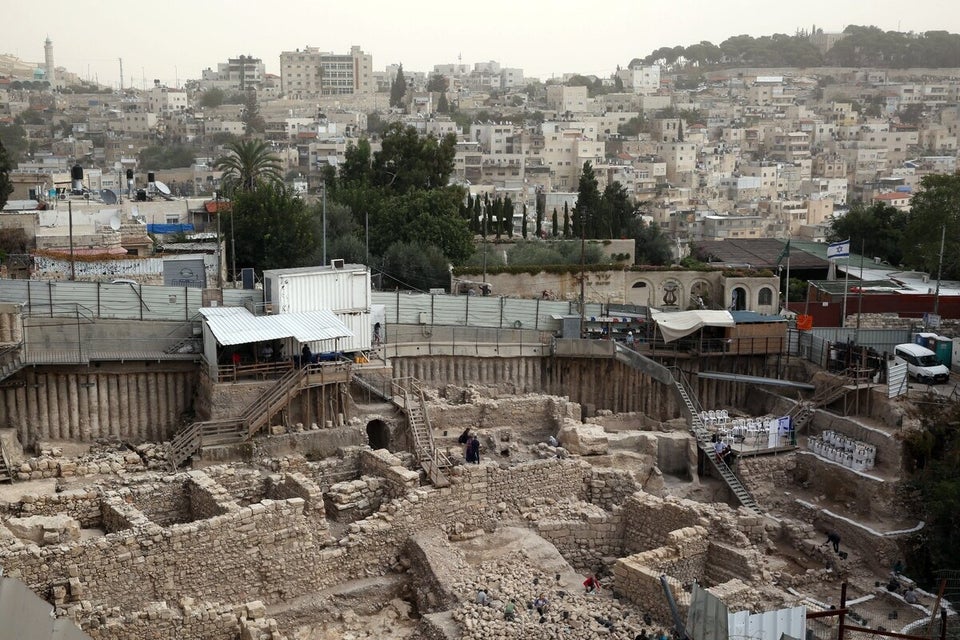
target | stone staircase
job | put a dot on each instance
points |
(803, 412)
(703, 437)
(408, 395)
(254, 417)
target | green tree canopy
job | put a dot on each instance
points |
(174, 156)
(403, 190)
(5, 187)
(272, 229)
(437, 82)
(212, 98)
(877, 229)
(398, 89)
(249, 163)
(934, 207)
(414, 265)
(251, 113)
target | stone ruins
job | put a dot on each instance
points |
(337, 532)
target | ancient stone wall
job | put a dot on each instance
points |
(864, 495)
(83, 505)
(609, 487)
(726, 562)
(135, 402)
(354, 500)
(396, 481)
(648, 521)
(585, 541)
(270, 550)
(532, 417)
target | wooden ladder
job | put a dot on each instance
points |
(6, 473)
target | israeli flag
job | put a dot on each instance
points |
(838, 250)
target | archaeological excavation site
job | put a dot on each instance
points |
(442, 467)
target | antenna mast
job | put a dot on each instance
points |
(121, 75)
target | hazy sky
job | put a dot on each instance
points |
(176, 39)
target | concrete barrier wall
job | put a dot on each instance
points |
(136, 403)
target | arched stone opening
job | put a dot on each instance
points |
(739, 302)
(378, 434)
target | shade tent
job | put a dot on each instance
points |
(236, 325)
(677, 324)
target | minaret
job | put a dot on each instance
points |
(48, 62)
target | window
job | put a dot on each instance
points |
(765, 297)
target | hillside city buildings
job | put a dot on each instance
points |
(740, 153)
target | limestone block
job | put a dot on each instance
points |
(584, 439)
(35, 529)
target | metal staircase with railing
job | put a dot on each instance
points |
(408, 395)
(803, 412)
(11, 361)
(254, 417)
(703, 437)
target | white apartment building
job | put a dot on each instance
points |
(562, 98)
(236, 74)
(833, 188)
(311, 73)
(681, 160)
(494, 139)
(564, 152)
(641, 79)
(164, 100)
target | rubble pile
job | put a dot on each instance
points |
(570, 612)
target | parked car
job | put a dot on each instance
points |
(922, 364)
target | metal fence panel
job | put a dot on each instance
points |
(881, 340)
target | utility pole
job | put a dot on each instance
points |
(936, 297)
(73, 271)
(583, 299)
(323, 185)
(121, 75)
(219, 248)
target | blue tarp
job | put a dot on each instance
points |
(169, 228)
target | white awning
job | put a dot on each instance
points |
(236, 325)
(676, 324)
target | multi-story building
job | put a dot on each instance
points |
(565, 150)
(311, 73)
(562, 98)
(640, 79)
(236, 74)
(164, 100)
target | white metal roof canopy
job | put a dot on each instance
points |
(235, 325)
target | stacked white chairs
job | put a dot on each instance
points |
(839, 448)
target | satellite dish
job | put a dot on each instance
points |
(108, 196)
(115, 223)
(162, 188)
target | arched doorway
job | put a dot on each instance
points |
(739, 302)
(378, 434)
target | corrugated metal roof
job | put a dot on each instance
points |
(769, 625)
(236, 325)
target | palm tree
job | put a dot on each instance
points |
(249, 163)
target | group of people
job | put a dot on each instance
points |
(540, 604)
(723, 451)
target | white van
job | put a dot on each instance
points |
(922, 364)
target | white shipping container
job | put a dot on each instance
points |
(316, 288)
(360, 323)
